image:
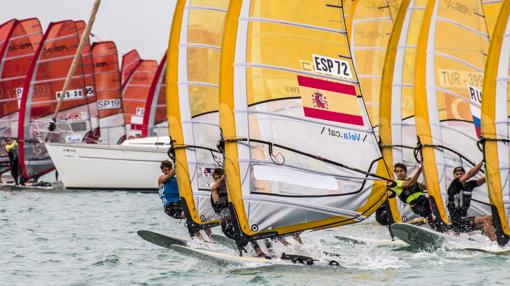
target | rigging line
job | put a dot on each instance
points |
(448, 149)
(310, 156)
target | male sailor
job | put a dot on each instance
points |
(411, 192)
(12, 151)
(219, 202)
(169, 192)
(459, 201)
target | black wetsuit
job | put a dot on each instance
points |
(220, 207)
(459, 201)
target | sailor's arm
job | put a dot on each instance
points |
(480, 181)
(164, 178)
(471, 172)
(413, 180)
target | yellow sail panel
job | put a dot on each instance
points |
(494, 122)
(397, 132)
(292, 118)
(195, 48)
(491, 11)
(371, 25)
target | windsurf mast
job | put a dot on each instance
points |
(495, 121)
(83, 40)
(290, 117)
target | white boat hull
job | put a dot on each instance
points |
(108, 167)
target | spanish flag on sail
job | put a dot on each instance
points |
(328, 100)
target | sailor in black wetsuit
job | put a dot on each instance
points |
(219, 202)
(459, 201)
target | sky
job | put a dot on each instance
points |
(132, 24)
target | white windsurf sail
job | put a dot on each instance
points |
(192, 95)
(449, 74)
(293, 120)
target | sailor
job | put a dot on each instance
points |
(219, 202)
(12, 151)
(459, 201)
(411, 192)
(169, 192)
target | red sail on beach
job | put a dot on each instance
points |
(130, 61)
(108, 92)
(155, 120)
(41, 92)
(16, 54)
(134, 96)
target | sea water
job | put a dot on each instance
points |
(89, 238)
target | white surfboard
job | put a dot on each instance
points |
(224, 258)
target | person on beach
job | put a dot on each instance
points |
(459, 200)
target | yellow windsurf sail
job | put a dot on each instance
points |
(300, 152)
(369, 27)
(495, 124)
(448, 81)
(396, 109)
(192, 96)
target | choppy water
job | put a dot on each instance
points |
(89, 238)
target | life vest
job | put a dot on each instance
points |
(222, 202)
(459, 198)
(407, 195)
(169, 193)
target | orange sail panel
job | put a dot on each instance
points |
(134, 96)
(88, 76)
(130, 61)
(108, 92)
(41, 92)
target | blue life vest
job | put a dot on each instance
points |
(169, 193)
